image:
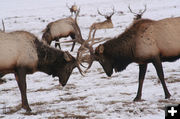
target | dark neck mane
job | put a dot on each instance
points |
(48, 57)
(121, 48)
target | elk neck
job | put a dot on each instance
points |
(48, 58)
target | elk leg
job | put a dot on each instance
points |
(21, 80)
(158, 65)
(142, 72)
(74, 42)
(57, 44)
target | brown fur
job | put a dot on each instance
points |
(59, 29)
(145, 41)
(22, 53)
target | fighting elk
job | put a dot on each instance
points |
(138, 15)
(59, 29)
(22, 53)
(145, 41)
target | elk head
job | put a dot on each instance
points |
(72, 9)
(138, 15)
(108, 17)
(65, 72)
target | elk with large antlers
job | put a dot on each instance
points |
(145, 41)
(138, 15)
(59, 29)
(22, 53)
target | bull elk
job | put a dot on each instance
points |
(59, 29)
(138, 15)
(72, 9)
(145, 41)
(102, 25)
(22, 53)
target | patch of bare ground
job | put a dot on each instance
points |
(169, 101)
(69, 116)
(47, 89)
(11, 110)
(125, 93)
(110, 102)
(173, 80)
(72, 98)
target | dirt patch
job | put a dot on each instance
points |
(71, 116)
(11, 110)
(72, 99)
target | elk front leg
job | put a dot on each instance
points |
(21, 80)
(57, 43)
(142, 72)
(158, 65)
(73, 46)
(74, 42)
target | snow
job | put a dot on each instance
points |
(95, 95)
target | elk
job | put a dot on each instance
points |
(22, 53)
(145, 41)
(138, 15)
(72, 9)
(59, 29)
(102, 25)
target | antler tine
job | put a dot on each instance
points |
(77, 14)
(3, 25)
(131, 10)
(92, 42)
(144, 10)
(67, 6)
(101, 13)
(112, 12)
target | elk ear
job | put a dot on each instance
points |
(67, 56)
(101, 49)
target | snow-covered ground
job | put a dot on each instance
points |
(95, 95)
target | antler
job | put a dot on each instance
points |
(77, 14)
(131, 10)
(85, 45)
(138, 15)
(143, 11)
(67, 6)
(105, 15)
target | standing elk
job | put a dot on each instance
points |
(138, 15)
(59, 29)
(145, 41)
(102, 25)
(72, 9)
(22, 53)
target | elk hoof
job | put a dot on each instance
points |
(167, 96)
(27, 108)
(136, 99)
